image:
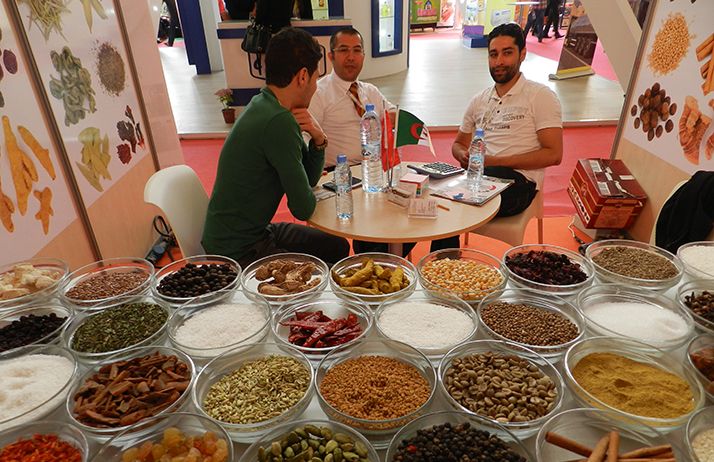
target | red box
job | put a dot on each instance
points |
(605, 194)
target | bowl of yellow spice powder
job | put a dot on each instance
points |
(637, 381)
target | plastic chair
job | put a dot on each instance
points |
(512, 229)
(179, 194)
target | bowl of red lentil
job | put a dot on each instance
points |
(698, 259)
(39, 323)
(697, 297)
(469, 274)
(44, 440)
(30, 281)
(700, 356)
(700, 435)
(634, 264)
(268, 278)
(375, 387)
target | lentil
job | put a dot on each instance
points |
(375, 388)
(528, 324)
(194, 280)
(703, 445)
(179, 446)
(221, 325)
(29, 329)
(316, 444)
(425, 325)
(638, 320)
(546, 267)
(40, 448)
(701, 304)
(699, 257)
(468, 279)
(259, 390)
(107, 284)
(670, 45)
(455, 443)
(635, 263)
(502, 387)
(110, 68)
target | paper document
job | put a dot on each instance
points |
(456, 189)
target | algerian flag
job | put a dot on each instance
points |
(411, 130)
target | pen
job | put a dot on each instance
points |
(443, 207)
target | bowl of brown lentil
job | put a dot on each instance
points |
(30, 281)
(469, 274)
(697, 297)
(375, 387)
(252, 389)
(39, 323)
(285, 278)
(700, 356)
(698, 259)
(634, 264)
(700, 435)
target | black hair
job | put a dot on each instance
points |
(347, 30)
(510, 29)
(289, 51)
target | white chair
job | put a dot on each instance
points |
(512, 229)
(179, 194)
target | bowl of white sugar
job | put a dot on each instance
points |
(698, 259)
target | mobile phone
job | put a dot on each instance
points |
(330, 185)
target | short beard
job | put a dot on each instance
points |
(511, 72)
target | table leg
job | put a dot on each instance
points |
(395, 248)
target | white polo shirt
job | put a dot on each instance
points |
(333, 108)
(510, 122)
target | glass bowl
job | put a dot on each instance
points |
(685, 255)
(250, 283)
(553, 304)
(702, 420)
(38, 309)
(472, 296)
(636, 351)
(175, 302)
(564, 290)
(52, 401)
(107, 268)
(697, 344)
(87, 358)
(613, 293)
(454, 417)
(202, 355)
(696, 287)
(334, 308)
(54, 265)
(417, 339)
(234, 359)
(606, 276)
(279, 433)
(103, 434)
(152, 430)
(66, 433)
(386, 261)
(379, 432)
(501, 348)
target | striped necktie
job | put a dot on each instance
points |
(355, 99)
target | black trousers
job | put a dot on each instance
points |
(553, 13)
(535, 20)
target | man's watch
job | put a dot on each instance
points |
(320, 147)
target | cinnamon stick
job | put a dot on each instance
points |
(710, 78)
(705, 44)
(598, 454)
(704, 70)
(648, 451)
(568, 444)
(613, 448)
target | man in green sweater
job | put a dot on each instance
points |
(265, 157)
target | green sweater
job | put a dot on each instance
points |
(263, 158)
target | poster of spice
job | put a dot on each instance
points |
(35, 201)
(670, 106)
(84, 68)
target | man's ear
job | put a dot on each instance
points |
(303, 76)
(523, 54)
(331, 55)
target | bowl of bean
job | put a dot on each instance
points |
(641, 315)
(199, 279)
(44, 440)
(30, 281)
(548, 269)
(294, 438)
(285, 277)
(141, 383)
(466, 436)
(697, 258)
(182, 435)
(129, 322)
(40, 323)
(546, 325)
(700, 356)
(373, 277)
(538, 385)
(252, 389)
(469, 274)
(634, 264)
(97, 284)
(697, 297)
(397, 384)
(639, 382)
(699, 435)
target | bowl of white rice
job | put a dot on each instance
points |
(698, 259)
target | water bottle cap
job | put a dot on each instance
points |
(479, 132)
(341, 159)
(369, 107)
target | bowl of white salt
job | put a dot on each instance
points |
(698, 259)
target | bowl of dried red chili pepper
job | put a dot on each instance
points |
(43, 441)
(373, 278)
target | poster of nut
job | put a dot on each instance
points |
(35, 201)
(79, 51)
(670, 106)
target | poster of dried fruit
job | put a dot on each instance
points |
(36, 202)
(84, 67)
(670, 104)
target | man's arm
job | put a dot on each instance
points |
(460, 148)
(550, 153)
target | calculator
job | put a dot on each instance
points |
(437, 169)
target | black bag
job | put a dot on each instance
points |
(256, 38)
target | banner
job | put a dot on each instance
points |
(448, 14)
(425, 11)
(576, 58)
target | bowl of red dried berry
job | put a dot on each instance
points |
(548, 269)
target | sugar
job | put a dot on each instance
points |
(699, 257)
(221, 325)
(425, 325)
(638, 320)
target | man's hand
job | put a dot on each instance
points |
(308, 124)
(460, 148)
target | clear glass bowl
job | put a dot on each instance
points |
(698, 343)
(469, 296)
(564, 290)
(385, 260)
(696, 287)
(108, 266)
(700, 421)
(636, 351)
(103, 434)
(186, 312)
(433, 353)
(50, 264)
(157, 338)
(175, 302)
(690, 270)
(520, 429)
(250, 283)
(613, 293)
(551, 303)
(454, 417)
(332, 307)
(39, 309)
(53, 402)
(234, 359)
(607, 276)
(379, 432)
(152, 430)
(66, 433)
(278, 433)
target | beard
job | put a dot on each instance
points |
(508, 73)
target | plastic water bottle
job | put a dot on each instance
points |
(343, 187)
(477, 151)
(371, 138)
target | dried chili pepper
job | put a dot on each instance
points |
(41, 448)
(322, 331)
(314, 329)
